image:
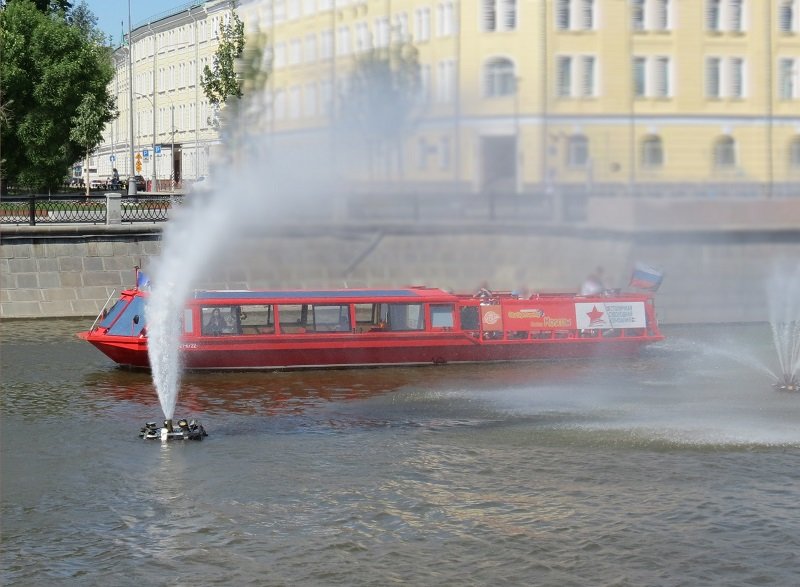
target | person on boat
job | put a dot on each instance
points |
(593, 284)
(484, 293)
(216, 324)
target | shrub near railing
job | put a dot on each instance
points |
(78, 209)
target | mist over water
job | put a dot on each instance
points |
(253, 188)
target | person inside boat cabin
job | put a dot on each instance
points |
(216, 324)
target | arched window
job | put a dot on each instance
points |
(794, 154)
(577, 151)
(499, 77)
(652, 151)
(725, 153)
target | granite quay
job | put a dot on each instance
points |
(716, 258)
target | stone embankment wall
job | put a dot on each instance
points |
(711, 275)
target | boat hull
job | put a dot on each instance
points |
(236, 355)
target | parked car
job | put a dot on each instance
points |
(141, 184)
(99, 183)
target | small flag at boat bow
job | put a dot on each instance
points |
(142, 281)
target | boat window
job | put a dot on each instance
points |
(442, 315)
(366, 317)
(405, 317)
(331, 318)
(469, 318)
(188, 320)
(115, 311)
(132, 320)
(292, 318)
(257, 319)
(219, 320)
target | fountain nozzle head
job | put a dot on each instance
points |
(789, 382)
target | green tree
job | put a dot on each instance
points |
(48, 68)
(382, 94)
(87, 126)
(222, 80)
(48, 5)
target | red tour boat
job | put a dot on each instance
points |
(370, 327)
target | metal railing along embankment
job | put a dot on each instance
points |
(79, 209)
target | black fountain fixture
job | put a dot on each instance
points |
(789, 382)
(185, 430)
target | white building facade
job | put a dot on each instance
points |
(173, 123)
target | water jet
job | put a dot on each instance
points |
(784, 319)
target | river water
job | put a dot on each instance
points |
(678, 468)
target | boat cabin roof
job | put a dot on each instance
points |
(411, 294)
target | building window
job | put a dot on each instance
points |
(652, 77)
(564, 79)
(499, 15)
(424, 84)
(576, 76)
(735, 15)
(726, 77)
(499, 77)
(311, 48)
(788, 19)
(422, 24)
(794, 154)
(713, 77)
(588, 76)
(563, 15)
(445, 87)
(639, 77)
(401, 23)
(787, 78)
(652, 152)
(737, 84)
(725, 153)
(725, 15)
(576, 15)
(713, 15)
(662, 87)
(661, 18)
(637, 15)
(577, 151)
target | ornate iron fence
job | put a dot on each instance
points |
(78, 209)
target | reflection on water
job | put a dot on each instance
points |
(649, 471)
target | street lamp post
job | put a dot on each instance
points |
(131, 178)
(153, 153)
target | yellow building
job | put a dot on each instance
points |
(538, 97)
(661, 97)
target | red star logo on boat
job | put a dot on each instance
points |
(595, 316)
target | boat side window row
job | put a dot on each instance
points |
(329, 318)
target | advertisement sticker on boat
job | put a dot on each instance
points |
(610, 315)
(491, 318)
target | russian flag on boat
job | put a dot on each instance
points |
(142, 281)
(646, 277)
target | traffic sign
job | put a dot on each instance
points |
(146, 153)
(158, 149)
(138, 165)
(112, 158)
